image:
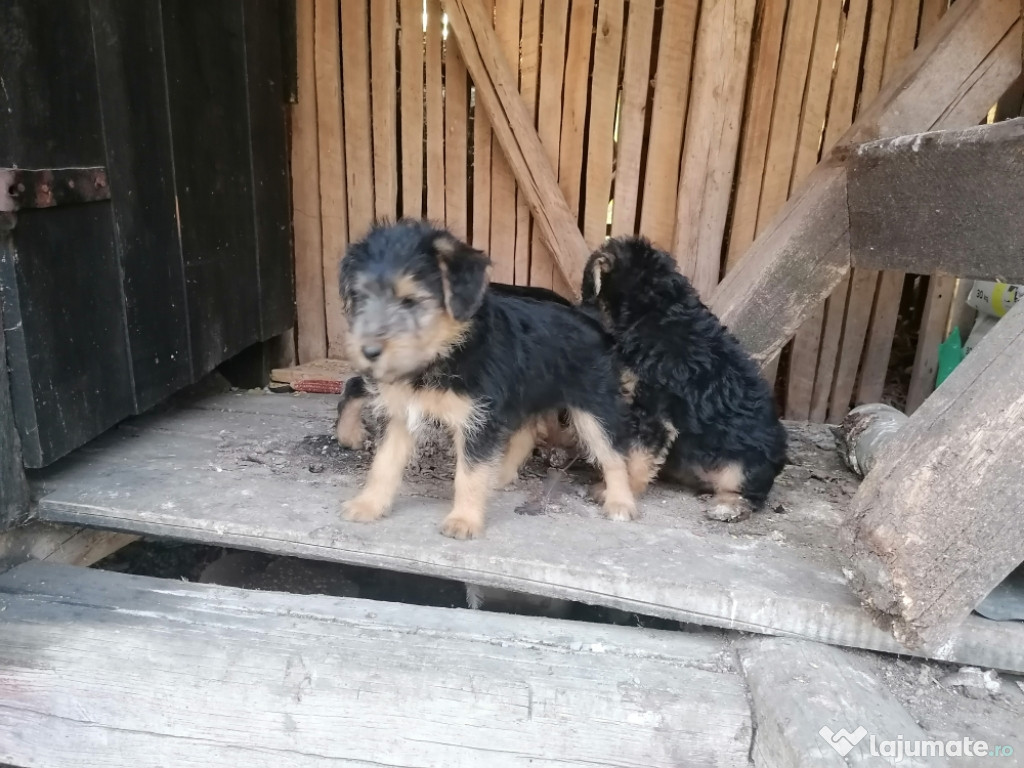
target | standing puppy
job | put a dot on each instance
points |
(351, 433)
(434, 343)
(699, 407)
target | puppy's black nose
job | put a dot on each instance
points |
(372, 351)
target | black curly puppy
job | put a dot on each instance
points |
(351, 433)
(434, 343)
(700, 410)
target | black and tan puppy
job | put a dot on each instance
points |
(434, 343)
(351, 433)
(700, 410)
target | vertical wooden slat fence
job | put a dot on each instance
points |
(688, 121)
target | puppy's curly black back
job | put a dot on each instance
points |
(700, 403)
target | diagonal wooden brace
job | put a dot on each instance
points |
(498, 92)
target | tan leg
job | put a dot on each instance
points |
(520, 446)
(385, 476)
(727, 505)
(472, 486)
(349, 427)
(642, 467)
(618, 500)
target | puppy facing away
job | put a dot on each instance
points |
(349, 428)
(700, 410)
(432, 342)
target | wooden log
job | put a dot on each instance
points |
(497, 90)
(220, 676)
(785, 674)
(926, 203)
(712, 139)
(776, 286)
(309, 274)
(937, 524)
(14, 498)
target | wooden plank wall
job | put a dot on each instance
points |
(689, 122)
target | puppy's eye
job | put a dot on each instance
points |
(408, 302)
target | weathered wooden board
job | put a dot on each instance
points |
(262, 472)
(786, 675)
(197, 675)
(497, 90)
(938, 519)
(59, 544)
(794, 258)
(927, 203)
(14, 497)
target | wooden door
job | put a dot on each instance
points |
(110, 306)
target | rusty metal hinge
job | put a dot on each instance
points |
(22, 188)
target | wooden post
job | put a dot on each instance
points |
(786, 266)
(937, 521)
(498, 92)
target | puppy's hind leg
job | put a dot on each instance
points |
(618, 501)
(349, 427)
(728, 504)
(385, 476)
(520, 446)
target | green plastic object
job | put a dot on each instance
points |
(951, 353)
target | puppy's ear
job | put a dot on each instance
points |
(465, 273)
(600, 264)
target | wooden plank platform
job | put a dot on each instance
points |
(262, 472)
(112, 671)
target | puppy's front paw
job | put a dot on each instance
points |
(622, 511)
(363, 509)
(598, 491)
(728, 511)
(460, 527)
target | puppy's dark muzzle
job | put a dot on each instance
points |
(371, 351)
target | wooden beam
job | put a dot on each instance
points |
(938, 524)
(847, 695)
(927, 203)
(219, 493)
(279, 680)
(777, 285)
(14, 499)
(64, 544)
(498, 91)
